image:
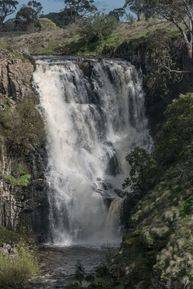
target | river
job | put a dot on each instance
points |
(58, 265)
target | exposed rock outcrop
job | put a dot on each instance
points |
(15, 77)
(22, 153)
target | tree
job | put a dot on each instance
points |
(135, 6)
(140, 7)
(175, 139)
(117, 13)
(28, 16)
(7, 7)
(142, 171)
(79, 7)
(64, 17)
(180, 13)
(98, 27)
(37, 7)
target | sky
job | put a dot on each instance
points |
(57, 5)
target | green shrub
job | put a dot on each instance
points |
(98, 27)
(16, 270)
(22, 181)
(186, 207)
(176, 136)
(143, 169)
(22, 127)
(7, 236)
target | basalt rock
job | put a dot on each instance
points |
(15, 77)
(22, 142)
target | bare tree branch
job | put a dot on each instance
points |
(177, 71)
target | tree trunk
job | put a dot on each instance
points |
(190, 56)
(1, 24)
(190, 50)
(188, 65)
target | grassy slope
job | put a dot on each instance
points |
(39, 43)
(55, 40)
(124, 33)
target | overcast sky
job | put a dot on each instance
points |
(57, 5)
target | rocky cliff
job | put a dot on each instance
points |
(22, 149)
(15, 77)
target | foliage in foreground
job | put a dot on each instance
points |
(21, 264)
(161, 237)
(7, 236)
(15, 270)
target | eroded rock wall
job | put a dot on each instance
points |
(15, 77)
(23, 200)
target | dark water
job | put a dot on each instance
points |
(58, 265)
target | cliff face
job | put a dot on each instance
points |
(22, 149)
(15, 77)
(156, 60)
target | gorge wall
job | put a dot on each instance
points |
(156, 60)
(22, 149)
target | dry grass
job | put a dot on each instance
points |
(16, 270)
(53, 39)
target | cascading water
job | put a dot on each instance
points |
(94, 115)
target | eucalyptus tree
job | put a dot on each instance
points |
(140, 7)
(79, 8)
(97, 27)
(180, 13)
(29, 15)
(117, 13)
(7, 7)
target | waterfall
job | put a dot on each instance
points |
(94, 115)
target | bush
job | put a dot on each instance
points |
(176, 136)
(15, 270)
(7, 236)
(22, 181)
(98, 27)
(143, 169)
(22, 127)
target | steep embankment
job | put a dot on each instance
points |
(157, 247)
(22, 154)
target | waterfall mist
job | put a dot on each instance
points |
(94, 115)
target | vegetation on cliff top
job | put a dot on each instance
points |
(71, 39)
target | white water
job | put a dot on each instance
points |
(93, 119)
